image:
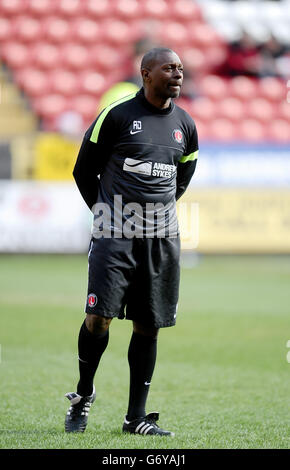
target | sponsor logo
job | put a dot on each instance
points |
(161, 170)
(177, 136)
(136, 127)
(92, 300)
(137, 166)
(134, 132)
(147, 383)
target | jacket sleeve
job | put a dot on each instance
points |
(187, 164)
(94, 152)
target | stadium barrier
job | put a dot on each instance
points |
(50, 217)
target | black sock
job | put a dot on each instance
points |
(91, 348)
(142, 357)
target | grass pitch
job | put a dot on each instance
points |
(221, 378)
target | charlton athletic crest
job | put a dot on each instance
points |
(177, 136)
(92, 300)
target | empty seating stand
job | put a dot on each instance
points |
(64, 54)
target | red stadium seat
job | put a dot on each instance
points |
(86, 30)
(243, 87)
(173, 34)
(50, 106)
(12, 7)
(215, 57)
(34, 82)
(279, 129)
(215, 87)
(46, 55)
(93, 83)
(202, 35)
(56, 29)
(194, 60)
(272, 88)
(204, 109)
(202, 129)
(222, 129)
(118, 32)
(41, 8)
(70, 8)
(16, 55)
(260, 109)
(128, 9)
(251, 130)
(86, 106)
(283, 111)
(64, 82)
(27, 29)
(184, 10)
(104, 57)
(6, 30)
(156, 9)
(231, 108)
(75, 56)
(98, 9)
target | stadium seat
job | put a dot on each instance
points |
(251, 130)
(283, 110)
(46, 55)
(75, 56)
(243, 87)
(34, 82)
(105, 57)
(173, 34)
(97, 9)
(202, 35)
(260, 109)
(194, 60)
(231, 108)
(215, 87)
(279, 129)
(202, 129)
(184, 10)
(56, 29)
(50, 105)
(69, 8)
(93, 83)
(272, 89)
(215, 57)
(118, 32)
(16, 55)
(27, 29)
(128, 9)
(222, 130)
(6, 30)
(64, 82)
(86, 30)
(12, 7)
(86, 106)
(156, 9)
(40, 8)
(204, 109)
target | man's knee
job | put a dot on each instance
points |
(96, 324)
(145, 330)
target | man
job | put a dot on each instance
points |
(144, 148)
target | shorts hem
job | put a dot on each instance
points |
(153, 324)
(105, 314)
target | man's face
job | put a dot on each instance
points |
(165, 76)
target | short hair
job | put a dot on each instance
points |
(150, 58)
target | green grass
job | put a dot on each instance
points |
(221, 378)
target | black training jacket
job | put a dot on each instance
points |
(134, 156)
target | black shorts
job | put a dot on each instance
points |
(139, 276)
